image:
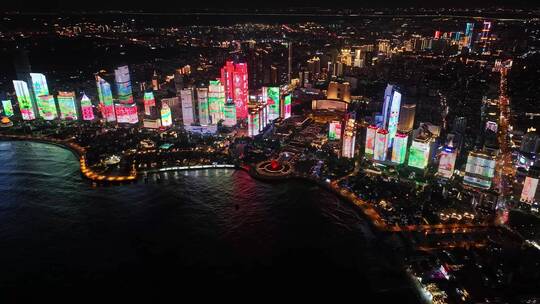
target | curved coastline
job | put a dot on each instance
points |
(367, 210)
(80, 153)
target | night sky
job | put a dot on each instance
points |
(178, 5)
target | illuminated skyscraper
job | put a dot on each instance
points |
(469, 29)
(27, 107)
(271, 98)
(202, 100)
(66, 103)
(381, 145)
(123, 85)
(126, 113)
(39, 84)
(485, 36)
(188, 115)
(419, 152)
(86, 108)
(399, 149)
(229, 114)
(216, 101)
(105, 99)
(287, 106)
(166, 116)
(371, 131)
(334, 130)
(447, 162)
(339, 91)
(253, 121)
(47, 107)
(149, 102)
(406, 118)
(480, 170)
(7, 107)
(349, 139)
(234, 78)
(391, 107)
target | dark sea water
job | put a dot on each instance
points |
(208, 232)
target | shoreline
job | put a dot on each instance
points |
(376, 221)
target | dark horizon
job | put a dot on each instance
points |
(30, 6)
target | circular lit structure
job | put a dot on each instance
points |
(5, 122)
(274, 168)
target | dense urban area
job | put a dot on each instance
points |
(426, 120)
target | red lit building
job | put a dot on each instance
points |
(234, 76)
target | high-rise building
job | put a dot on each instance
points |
(419, 152)
(459, 125)
(339, 91)
(253, 121)
(175, 107)
(166, 116)
(126, 113)
(187, 98)
(447, 162)
(289, 63)
(314, 65)
(381, 145)
(334, 130)
(47, 107)
(349, 138)
(390, 112)
(287, 106)
(202, 100)
(155, 82)
(271, 98)
(229, 114)
(86, 108)
(399, 149)
(406, 118)
(234, 77)
(479, 170)
(485, 36)
(105, 99)
(26, 105)
(371, 132)
(39, 84)
(7, 106)
(469, 29)
(216, 101)
(123, 85)
(67, 106)
(149, 102)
